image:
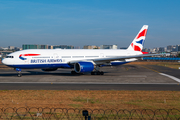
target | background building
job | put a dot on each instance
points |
(50, 47)
(24, 47)
(76, 47)
(178, 48)
(29, 46)
(108, 47)
(11, 47)
(162, 49)
(169, 48)
(4, 53)
(63, 47)
(90, 47)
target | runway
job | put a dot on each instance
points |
(125, 77)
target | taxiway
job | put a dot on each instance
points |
(125, 77)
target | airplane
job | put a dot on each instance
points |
(80, 60)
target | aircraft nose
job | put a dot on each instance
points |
(4, 61)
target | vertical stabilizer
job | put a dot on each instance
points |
(138, 42)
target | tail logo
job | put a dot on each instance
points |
(23, 58)
(136, 48)
(143, 33)
(137, 45)
(138, 42)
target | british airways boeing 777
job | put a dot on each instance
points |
(80, 60)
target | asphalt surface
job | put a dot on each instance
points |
(166, 70)
(125, 77)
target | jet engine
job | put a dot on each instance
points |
(82, 67)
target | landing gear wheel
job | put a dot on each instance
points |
(73, 72)
(19, 75)
(98, 73)
(19, 72)
(101, 73)
(92, 73)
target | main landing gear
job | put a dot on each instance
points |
(73, 72)
(19, 72)
(97, 72)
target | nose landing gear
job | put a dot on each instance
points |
(19, 72)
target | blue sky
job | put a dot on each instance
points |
(88, 22)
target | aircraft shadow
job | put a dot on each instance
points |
(34, 73)
(38, 73)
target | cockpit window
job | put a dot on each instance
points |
(9, 56)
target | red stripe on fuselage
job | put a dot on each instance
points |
(29, 55)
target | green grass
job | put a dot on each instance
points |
(86, 100)
(79, 99)
(76, 105)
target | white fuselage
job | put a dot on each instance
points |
(60, 58)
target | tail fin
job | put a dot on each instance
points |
(138, 42)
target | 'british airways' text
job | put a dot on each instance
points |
(46, 60)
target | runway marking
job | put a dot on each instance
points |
(172, 77)
(133, 76)
(151, 69)
(126, 68)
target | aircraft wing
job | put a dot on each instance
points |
(108, 59)
(124, 57)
